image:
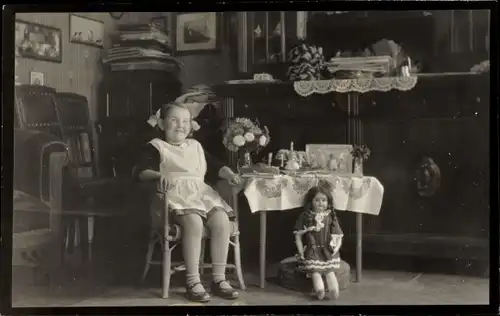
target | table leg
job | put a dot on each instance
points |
(263, 230)
(90, 236)
(359, 245)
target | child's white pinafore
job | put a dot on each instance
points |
(185, 167)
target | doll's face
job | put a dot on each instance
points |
(177, 125)
(319, 202)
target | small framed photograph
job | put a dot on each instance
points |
(197, 32)
(86, 31)
(37, 78)
(37, 41)
(161, 22)
(334, 157)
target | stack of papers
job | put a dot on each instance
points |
(375, 64)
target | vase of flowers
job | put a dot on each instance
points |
(245, 137)
(359, 154)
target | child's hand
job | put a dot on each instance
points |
(228, 174)
(163, 184)
(235, 179)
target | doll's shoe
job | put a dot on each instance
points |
(199, 297)
(333, 294)
(225, 293)
(320, 294)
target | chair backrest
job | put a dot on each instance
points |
(77, 130)
(36, 110)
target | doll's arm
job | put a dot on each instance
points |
(298, 232)
(337, 235)
(299, 245)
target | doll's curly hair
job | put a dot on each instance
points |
(325, 188)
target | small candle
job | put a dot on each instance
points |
(282, 160)
(291, 146)
(270, 159)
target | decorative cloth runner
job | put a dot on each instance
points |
(361, 85)
(283, 192)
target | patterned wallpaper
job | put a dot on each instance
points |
(79, 71)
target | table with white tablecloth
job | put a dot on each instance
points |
(265, 193)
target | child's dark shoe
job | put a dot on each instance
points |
(199, 297)
(224, 290)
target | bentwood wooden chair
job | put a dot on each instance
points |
(170, 237)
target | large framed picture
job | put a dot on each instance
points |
(86, 31)
(197, 32)
(37, 41)
(333, 157)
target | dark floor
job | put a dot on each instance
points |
(376, 288)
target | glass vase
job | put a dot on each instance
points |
(357, 168)
(245, 159)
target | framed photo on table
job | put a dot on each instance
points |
(37, 41)
(321, 155)
(197, 32)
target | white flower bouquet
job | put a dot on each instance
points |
(241, 134)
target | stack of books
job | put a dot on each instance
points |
(141, 47)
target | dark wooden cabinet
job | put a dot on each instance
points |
(445, 118)
(129, 98)
(265, 37)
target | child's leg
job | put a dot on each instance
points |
(192, 231)
(220, 231)
(318, 285)
(332, 284)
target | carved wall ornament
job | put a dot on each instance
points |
(427, 177)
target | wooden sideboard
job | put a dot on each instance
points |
(445, 118)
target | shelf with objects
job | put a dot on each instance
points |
(352, 99)
(140, 74)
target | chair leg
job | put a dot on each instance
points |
(167, 269)
(237, 262)
(202, 257)
(149, 256)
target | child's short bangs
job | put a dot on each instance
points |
(166, 108)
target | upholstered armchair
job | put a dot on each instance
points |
(38, 171)
(87, 196)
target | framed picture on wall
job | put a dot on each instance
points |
(161, 22)
(37, 78)
(37, 41)
(86, 31)
(197, 32)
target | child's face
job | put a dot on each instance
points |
(319, 202)
(177, 125)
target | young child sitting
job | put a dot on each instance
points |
(319, 226)
(179, 164)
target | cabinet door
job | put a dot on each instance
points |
(267, 36)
